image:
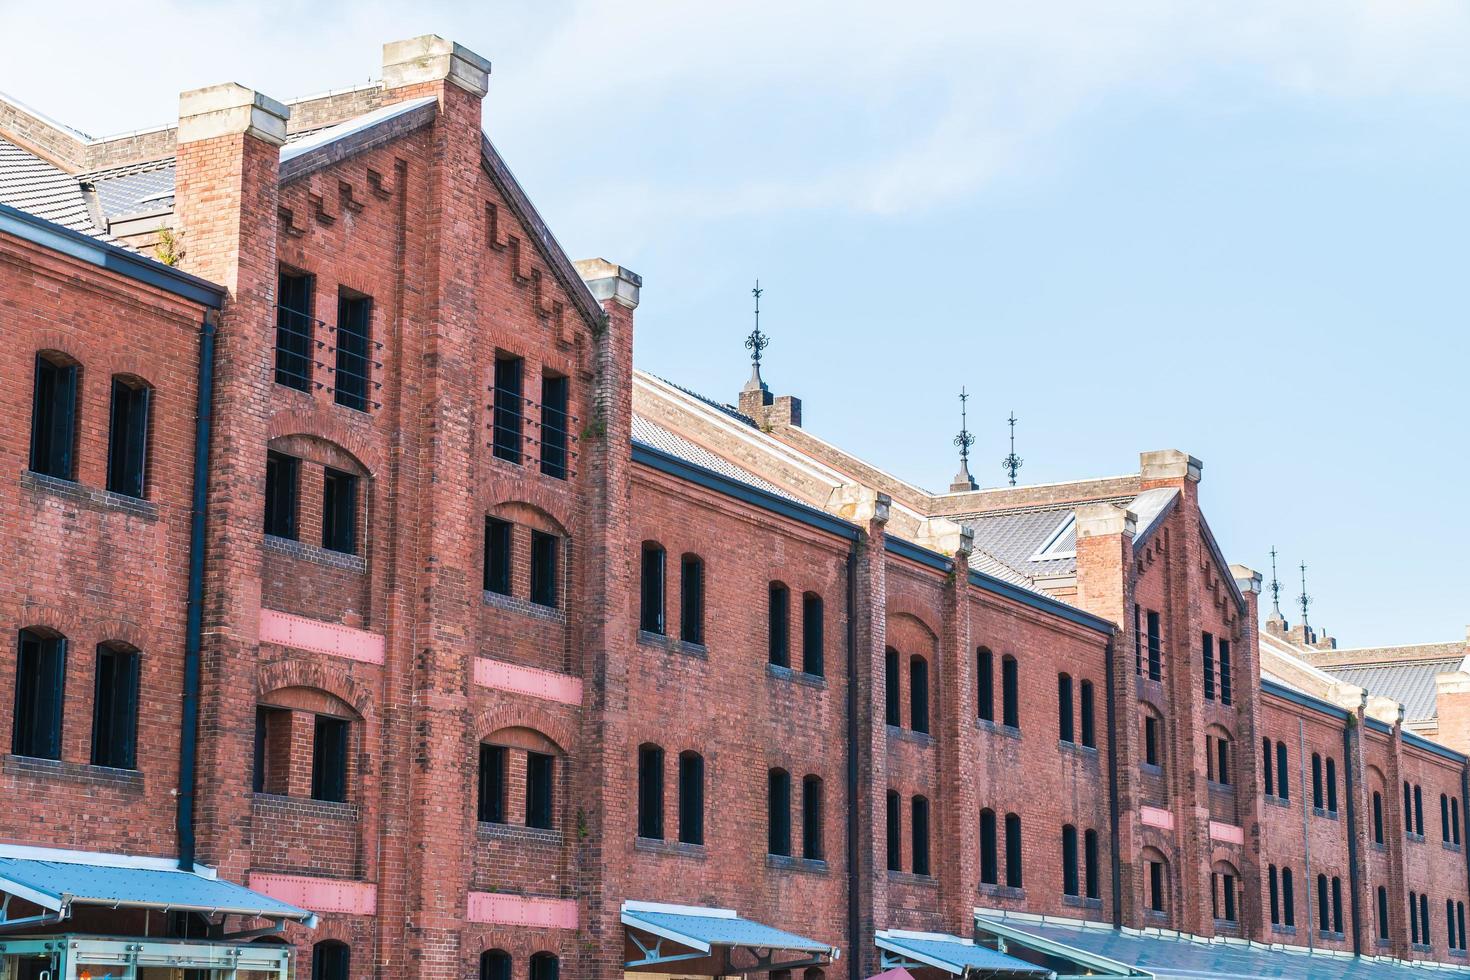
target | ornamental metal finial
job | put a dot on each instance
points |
(1276, 589)
(755, 343)
(1304, 600)
(1012, 463)
(963, 480)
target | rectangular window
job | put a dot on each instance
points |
(261, 769)
(1137, 638)
(1288, 898)
(779, 625)
(891, 821)
(1155, 648)
(691, 599)
(651, 590)
(1090, 867)
(494, 768)
(497, 555)
(987, 848)
(1070, 883)
(1010, 692)
(509, 411)
(919, 694)
(294, 328)
(1225, 692)
(691, 798)
(1209, 667)
(1089, 723)
(1013, 851)
(115, 709)
(353, 372)
(651, 792)
(1064, 708)
(339, 512)
(1222, 761)
(554, 422)
(891, 714)
(778, 799)
(1156, 886)
(282, 489)
(1283, 788)
(544, 549)
(921, 835)
(539, 771)
(1227, 883)
(329, 760)
(1151, 740)
(985, 683)
(127, 440)
(813, 635)
(54, 417)
(811, 818)
(40, 677)
(1266, 776)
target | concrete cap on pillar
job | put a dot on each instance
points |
(608, 280)
(231, 110)
(1098, 520)
(1169, 464)
(431, 58)
(1247, 579)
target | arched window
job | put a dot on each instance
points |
(1010, 683)
(1288, 897)
(331, 960)
(813, 635)
(1455, 819)
(1337, 905)
(919, 694)
(54, 415)
(891, 826)
(1070, 883)
(691, 798)
(1224, 895)
(778, 811)
(1226, 694)
(1013, 851)
(891, 713)
(1331, 785)
(40, 678)
(650, 791)
(1408, 809)
(1089, 864)
(495, 965)
(1377, 817)
(1208, 671)
(1418, 811)
(545, 966)
(1267, 780)
(1064, 707)
(127, 439)
(1089, 722)
(1424, 920)
(651, 589)
(1449, 923)
(1444, 818)
(1217, 758)
(1153, 739)
(691, 599)
(988, 863)
(115, 707)
(1156, 881)
(1460, 921)
(1316, 781)
(1283, 786)
(1413, 918)
(778, 625)
(1383, 913)
(985, 683)
(1273, 886)
(920, 830)
(1324, 910)
(811, 818)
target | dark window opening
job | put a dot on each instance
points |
(1418, 811)
(1137, 639)
(339, 512)
(813, 635)
(1331, 776)
(1267, 780)
(40, 678)
(985, 683)
(544, 550)
(1413, 918)
(554, 421)
(779, 625)
(1377, 818)
(1283, 786)
(919, 694)
(1151, 740)
(271, 771)
(920, 830)
(811, 818)
(1324, 911)
(1089, 723)
(691, 798)
(509, 411)
(894, 848)
(127, 439)
(1155, 648)
(282, 490)
(1444, 818)
(294, 329)
(540, 769)
(778, 809)
(494, 770)
(891, 713)
(353, 372)
(1288, 897)
(1013, 850)
(545, 966)
(1225, 692)
(1275, 896)
(329, 760)
(115, 708)
(1064, 708)
(54, 416)
(1208, 672)
(1337, 905)
(651, 590)
(988, 869)
(1071, 884)
(1156, 886)
(1010, 683)
(651, 792)
(1222, 761)
(1382, 913)
(1090, 865)
(331, 960)
(691, 599)
(1316, 781)
(497, 555)
(495, 965)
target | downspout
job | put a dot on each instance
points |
(854, 917)
(189, 719)
(1354, 872)
(1114, 816)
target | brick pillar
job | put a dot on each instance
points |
(607, 781)
(1246, 693)
(1452, 708)
(225, 198)
(958, 866)
(435, 890)
(870, 613)
(1105, 580)
(1395, 825)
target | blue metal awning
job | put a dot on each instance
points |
(702, 931)
(57, 880)
(962, 957)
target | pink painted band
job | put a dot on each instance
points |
(513, 910)
(1227, 832)
(501, 676)
(319, 637)
(318, 894)
(1152, 816)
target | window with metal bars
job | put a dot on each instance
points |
(1226, 694)
(54, 416)
(115, 707)
(353, 372)
(555, 389)
(127, 438)
(339, 511)
(282, 493)
(497, 555)
(509, 408)
(490, 798)
(295, 329)
(40, 678)
(1208, 671)
(1155, 648)
(544, 564)
(329, 760)
(540, 773)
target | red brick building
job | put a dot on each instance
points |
(370, 609)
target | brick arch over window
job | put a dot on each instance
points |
(902, 611)
(57, 619)
(121, 631)
(523, 737)
(295, 672)
(533, 515)
(557, 730)
(126, 364)
(73, 348)
(506, 499)
(324, 426)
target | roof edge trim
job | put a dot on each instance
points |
(1041, 603)
(1304, 700)
(1420, 742)
(905, 548)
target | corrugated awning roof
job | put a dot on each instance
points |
(703, 929)
(56, 880)
(951, 954)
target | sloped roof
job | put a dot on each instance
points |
(31, 184)
(1411, 683)
(137, 188)
(650, 433)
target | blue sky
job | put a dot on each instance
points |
(1238, 229)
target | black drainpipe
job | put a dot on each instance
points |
(1113, 814)
(1354, 871)
(854, 918)
(189, 720)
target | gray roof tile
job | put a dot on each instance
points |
(650, 433)
(1409, 683)
(29, 183)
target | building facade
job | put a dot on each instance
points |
(355, 565)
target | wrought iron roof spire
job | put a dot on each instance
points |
(1304, 600)
(1012, 463)
(1276, 589)
(963, 480)
(756, 342)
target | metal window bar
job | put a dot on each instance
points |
(567, 433)
(323, 346)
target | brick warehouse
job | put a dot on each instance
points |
(360, 586)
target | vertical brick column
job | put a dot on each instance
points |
(607, 783)
(870, 613)
(1246, 672)
(1105, 581)
(958, 866)
(225, 200)
(1395, 826)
